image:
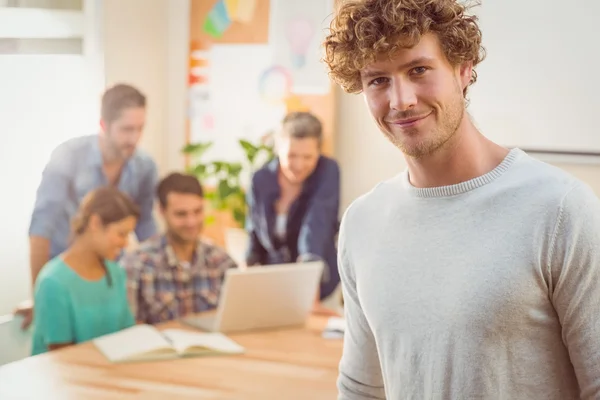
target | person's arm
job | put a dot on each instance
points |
(39, 254)
(256, 254)
(360, 376)
(223, 261)
(218, 259)
(574, 271)
(146, 226)
(53, 318)
(51, 196)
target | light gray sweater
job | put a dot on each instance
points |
(488, 289)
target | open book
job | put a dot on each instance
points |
(146, 343)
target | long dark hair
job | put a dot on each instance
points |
(110, 205)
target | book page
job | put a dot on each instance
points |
(187, 341)
(137, 342)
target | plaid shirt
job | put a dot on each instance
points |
(161, 288)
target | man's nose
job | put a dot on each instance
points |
(403, 95)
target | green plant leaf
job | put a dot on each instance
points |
(247, 146)
(199, 170)
(223, 189)
(218, 166)
(196, 149)
(250, 150)
(228, 195)
(239, 216)
(210, 219)
(235, 169)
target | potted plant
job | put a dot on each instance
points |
(223, 180)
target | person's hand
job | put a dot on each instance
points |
(25, 310)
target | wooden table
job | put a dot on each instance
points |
(285, 364)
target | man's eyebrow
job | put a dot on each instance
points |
(372, 73)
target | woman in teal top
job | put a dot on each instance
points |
(81, 294)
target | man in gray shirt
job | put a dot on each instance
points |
(475, 274)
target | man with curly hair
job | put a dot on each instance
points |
(474, 274)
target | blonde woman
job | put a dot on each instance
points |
(294, 203)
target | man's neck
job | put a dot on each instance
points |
(184, 250)
(286, 184)
(110, 158)
(466, 156)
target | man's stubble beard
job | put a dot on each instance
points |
(443, 133)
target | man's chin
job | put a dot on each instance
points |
(189, 238)
(127, 153)
(297, 178)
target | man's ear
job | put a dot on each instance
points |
(465, 70)
(103, 125)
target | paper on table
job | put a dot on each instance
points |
(183, 340)
(132, 342)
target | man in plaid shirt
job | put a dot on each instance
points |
(175, 274)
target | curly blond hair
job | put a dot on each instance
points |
(364, 29)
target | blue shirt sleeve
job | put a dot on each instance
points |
(52, 193)
(146, 226)
(52, 313)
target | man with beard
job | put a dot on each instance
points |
(176, 273)
(80, 165)
(475, 273)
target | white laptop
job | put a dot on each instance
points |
(263, 297)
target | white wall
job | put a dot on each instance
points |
(146, 45)
(366, 157)
(32, 110)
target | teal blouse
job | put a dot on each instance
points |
(70, 309)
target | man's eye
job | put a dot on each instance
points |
(378, 81)
(419, 70)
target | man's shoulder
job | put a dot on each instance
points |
(328, 169)
(377, 196)
(78, 142)
(209, 247)
(144, 161)
(148, 252)
(265, 174)
(330, 163)
(543, 182)
(213, 254)
(69, 150)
